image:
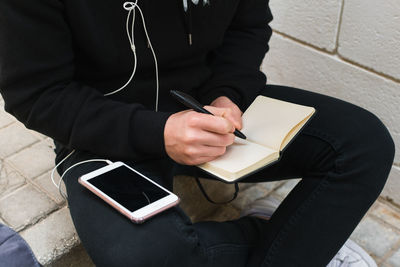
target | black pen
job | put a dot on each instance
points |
(190, 102)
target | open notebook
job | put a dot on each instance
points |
(269, 125)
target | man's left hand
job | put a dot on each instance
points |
(235, 115)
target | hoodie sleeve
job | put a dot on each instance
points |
(38, 86)
(236, 63)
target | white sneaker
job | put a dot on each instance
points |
(262, 208)
(352, 255)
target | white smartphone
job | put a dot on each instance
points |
(130, 192)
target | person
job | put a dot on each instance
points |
(95, 76)
(14, 251)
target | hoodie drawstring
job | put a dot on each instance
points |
(190, 24)
(187, 13)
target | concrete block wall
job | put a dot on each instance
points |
(349, 49)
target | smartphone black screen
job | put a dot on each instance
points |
(128, 188)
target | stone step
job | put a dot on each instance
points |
(75, 257)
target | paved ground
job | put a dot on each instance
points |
(31, 205)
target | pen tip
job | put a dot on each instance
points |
(240, 134)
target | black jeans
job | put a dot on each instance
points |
(343, 155)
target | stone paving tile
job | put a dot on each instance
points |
(388, 214)
(45, 183)
(37, 134)
(25, 206)
(77, 257)
(285, 189)
(33, 161)
(244, 186)
(394, 260)
(10, 179)
(52, 237)
(13, 138)
(224, 213)
(5, 118)
(249, 195)
(375, 237)
(48, 141)
(193, 201)
(270, 186)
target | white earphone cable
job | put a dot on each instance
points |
(76, 164)
(131, 8)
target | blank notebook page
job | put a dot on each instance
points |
(267, 121)
(240, 155)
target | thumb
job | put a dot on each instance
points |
(227, 113)
(220, 112)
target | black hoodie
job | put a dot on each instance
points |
(59, 57)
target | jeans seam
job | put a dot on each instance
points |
(213, 251)
(191, 238)
(225, 247)
(324, 136)
(179, 225)
(332, 141)
(278, 240)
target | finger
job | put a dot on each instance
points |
(235, 119)
(202, 160)
(208, 154)
(214, 139)
(211, 151)
(221, 112)
(210, 123)
(237, 116)
(193, 152)
(232, 113)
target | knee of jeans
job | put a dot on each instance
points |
(376, 136)
(372, 149)
(164, 240)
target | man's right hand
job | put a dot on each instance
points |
(193, 138)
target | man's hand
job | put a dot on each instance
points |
(235, 115)
(193, 138)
